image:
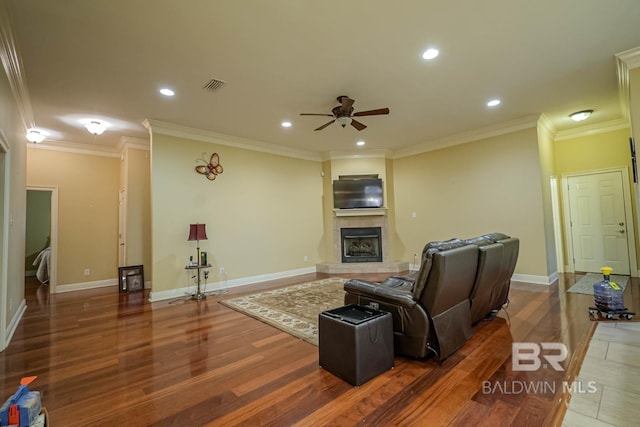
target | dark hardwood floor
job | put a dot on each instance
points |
(106, 359)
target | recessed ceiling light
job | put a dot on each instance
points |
(579, 116)
(493, 103)
(360, 143)
(167, 92)
(286, 124)
(430, 53)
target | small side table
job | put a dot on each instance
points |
(199, 295)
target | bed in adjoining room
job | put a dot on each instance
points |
(42, 265)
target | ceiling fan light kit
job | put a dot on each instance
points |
(35, 136)
(343, 121)
(344, 115)
(95, 127)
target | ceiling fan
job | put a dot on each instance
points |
(344, 115)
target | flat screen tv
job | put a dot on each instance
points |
(357, 193)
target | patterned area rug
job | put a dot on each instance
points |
(585, 284)
(293, 309)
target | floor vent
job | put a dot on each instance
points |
(213, 84)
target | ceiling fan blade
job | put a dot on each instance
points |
(356, 124)
(371, 112)
(314, 114)
(325, 125)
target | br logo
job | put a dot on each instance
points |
(529, 356)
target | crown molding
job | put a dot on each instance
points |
(127, 142)
(372, 154)
(596, 128)
(171, 129)
(625, 61)
(511, 126)
(4, 144)
(70, 147)
(12, 63)
(546, 125)
(631, 57)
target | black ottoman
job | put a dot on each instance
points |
(355, 343)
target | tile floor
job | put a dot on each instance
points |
(608, 392)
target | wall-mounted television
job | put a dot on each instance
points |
(357, 193)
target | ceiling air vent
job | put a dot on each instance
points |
(213, 84)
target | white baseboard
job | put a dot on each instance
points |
(537, 280)
(224, 284)
(86, 285)
(15, 320)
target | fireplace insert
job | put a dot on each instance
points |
(362, 244)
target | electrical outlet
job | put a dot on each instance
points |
(222, 271)
(305, 258)
(87, 272)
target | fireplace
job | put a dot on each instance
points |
(362, 244)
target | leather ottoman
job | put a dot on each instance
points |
(355, 343)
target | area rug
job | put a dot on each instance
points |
(585, 284)
(293, 309)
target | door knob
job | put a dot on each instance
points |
(621, 224)
(621, 231)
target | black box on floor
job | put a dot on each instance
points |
(355, 343)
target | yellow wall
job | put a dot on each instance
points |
(634, 100)
(593, 152)
(87, 211)
(263, 214)
(491, 185)
(13, 202)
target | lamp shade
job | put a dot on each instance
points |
(197, 232)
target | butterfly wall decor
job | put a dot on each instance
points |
(212, 169)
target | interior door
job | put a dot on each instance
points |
(598, 224)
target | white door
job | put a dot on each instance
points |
(121, 230)
(598, 224)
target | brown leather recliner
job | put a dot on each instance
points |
(497, 258)
(490, 257)
(431, 313)
(500, 295)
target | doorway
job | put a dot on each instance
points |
(598, 222)
(4, 238)
(42, 231)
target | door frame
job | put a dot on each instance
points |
(53, 265)
(4, 253)
(628, 215)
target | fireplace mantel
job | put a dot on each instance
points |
(360, 212)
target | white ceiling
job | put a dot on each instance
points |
(108, 58)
